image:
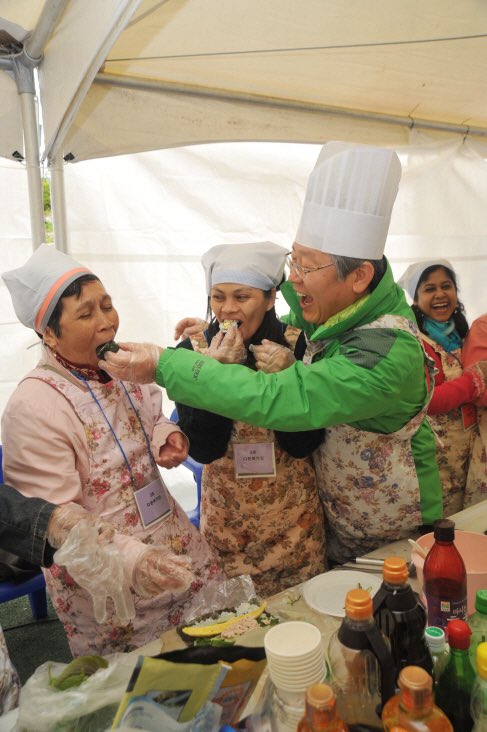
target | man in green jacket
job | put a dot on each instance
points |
(363, 373)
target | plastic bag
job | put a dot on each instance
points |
(219, 595)
(98, 568)
(89, 707)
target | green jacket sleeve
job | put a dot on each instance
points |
(330, 391)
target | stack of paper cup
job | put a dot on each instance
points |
(295, 661)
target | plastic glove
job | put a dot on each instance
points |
(227, 347)
(188, 327)
(63, 518)
(158, 569)
(98, 568)
(134, 362)
(271, 357)
(174, 451)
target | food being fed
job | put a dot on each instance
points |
(226, 324)
(105, 347)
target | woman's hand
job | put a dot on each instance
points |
(136, 362)
(65, 517)
(158, 570)
(227, 347)
(271, 357)
(188, 327)
(174, 451)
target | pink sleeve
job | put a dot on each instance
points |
(475, 344)
(162, 424)
(44, 445)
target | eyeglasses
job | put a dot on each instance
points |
(303, 271)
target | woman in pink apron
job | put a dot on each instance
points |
(74, 435)
(260, 508)
(432, 286)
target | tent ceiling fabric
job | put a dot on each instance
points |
(267, 70)
(275, 70)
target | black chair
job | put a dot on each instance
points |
(34, 586)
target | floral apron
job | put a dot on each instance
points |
(108, 493)
(9, 680)
(365, 504)
(476, 488)
(453, 443)
(270, 528)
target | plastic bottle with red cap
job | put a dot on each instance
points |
(444, 577)
(456, 682)
(401, 617)
(412, 708)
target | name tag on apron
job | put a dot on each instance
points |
(469, 416)
(254, 459)
(152, 503)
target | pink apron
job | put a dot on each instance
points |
(109, 493)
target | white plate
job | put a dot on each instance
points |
(326, 592)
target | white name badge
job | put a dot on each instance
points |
(153, 503)
(254, 459)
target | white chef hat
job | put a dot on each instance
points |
(258, 264)
(38, 285)
(410, 278)
(349, 199)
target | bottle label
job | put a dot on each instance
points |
(441, 611)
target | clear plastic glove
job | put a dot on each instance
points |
(134, 362)
(158, 569)
(227, 347)
(174, 451)
(271, 357)
(98, 568)
(188, 327)
(63, 518)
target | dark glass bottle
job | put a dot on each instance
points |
(455, 684)
(401, 617)
(444, 578)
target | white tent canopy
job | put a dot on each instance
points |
(123, 76)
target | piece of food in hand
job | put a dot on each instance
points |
(226, 324)
(105, 347)
(77, 671)
(206, 631)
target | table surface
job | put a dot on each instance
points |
(289, 605)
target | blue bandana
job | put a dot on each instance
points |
(443, 333)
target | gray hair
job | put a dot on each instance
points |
(345, 265)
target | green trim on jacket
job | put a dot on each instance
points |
(378, 388)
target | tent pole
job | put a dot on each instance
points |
(58, 202)
(167, 87)
(24, 77)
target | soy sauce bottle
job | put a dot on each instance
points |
(401, 617)
(445, 578)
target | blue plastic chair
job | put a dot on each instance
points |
(197, 470)
(35, 586)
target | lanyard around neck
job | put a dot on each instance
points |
(147, 442)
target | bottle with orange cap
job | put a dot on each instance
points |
(321, 713)
(401, 617)
(412, 708)
(363, 671)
